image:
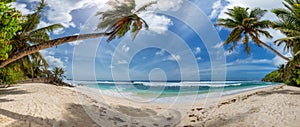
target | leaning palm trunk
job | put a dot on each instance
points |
(122, 18)
(48, 44)
(269, 47)
(274, 51)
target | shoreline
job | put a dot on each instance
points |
(163, 99)
(48, 105)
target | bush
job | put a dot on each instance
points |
(11, 74)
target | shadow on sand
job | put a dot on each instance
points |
(73, 118)
(77, 116)
(11, 91)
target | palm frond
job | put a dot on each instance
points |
(246, 43)
(262, 24)
(257, 13)
(265, 33)
(229, 23)
(50, 28)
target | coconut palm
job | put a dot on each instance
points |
(36, 66)
(30, 34)
(58, 74)
(289, 24)
(116, 22)
(245, 26)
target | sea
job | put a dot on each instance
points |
(172, 89)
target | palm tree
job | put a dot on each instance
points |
(36, 67)
(247, 25)
(289, 24)
(29, 35)
(116, 22)
(58, 74)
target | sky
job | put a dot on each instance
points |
(182, 42)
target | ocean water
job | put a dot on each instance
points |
(147, 89)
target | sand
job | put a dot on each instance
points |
(39, 105)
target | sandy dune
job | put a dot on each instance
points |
(39, 105)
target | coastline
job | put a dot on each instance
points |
(38, 104)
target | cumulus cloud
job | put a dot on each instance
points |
(22, 7)
(277, 61)
(166, 5)
(60, 11)
(157, 23)
(217, 6)
(160, 53)
(173, 57)
(54, 62)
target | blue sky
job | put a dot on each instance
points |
(170, 50)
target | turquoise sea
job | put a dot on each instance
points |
(146, 89)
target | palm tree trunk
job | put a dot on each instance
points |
(273, 50)
(48, 44)
(32, 75)
(256, 39)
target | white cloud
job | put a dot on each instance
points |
(125, 48)
(199, 58)
(75, 43)
(165, 5)
(173, 57)
(158, 24)
(250, 60)
(54, 62)
(60, 11)
(277, 61)
(22, 7)
(122, 62)
(217, 6)
(160, 53)
(219, 45)
(268, 5)
(197, 50)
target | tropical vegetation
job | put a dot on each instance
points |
(23, 43)
(289, 24)
(247, 24)
(275, 76)
(116, 22)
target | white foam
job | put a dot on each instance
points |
(189, 84)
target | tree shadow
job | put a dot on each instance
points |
(11, 91)
(72, 118)
(284, 91)
(127, 116)
(94, 116)
(5, 100)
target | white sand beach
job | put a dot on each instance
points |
(37, 104)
